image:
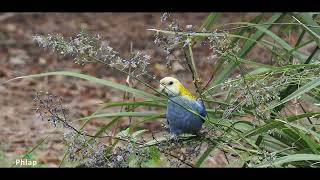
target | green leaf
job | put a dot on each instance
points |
(204, 156)
(259, 71)
(137, 133)
(102, 129)
(123, 133)
(148, 118)
(155, 154)
(291, 158)
(136, 103)
(293, 87)
(314, 146)
(209, 22)
(280, 41)
(238, 163)
(28, 156)
(305, 19)
(155, 141)
(302, 90)
(276, 124)
(248, 45)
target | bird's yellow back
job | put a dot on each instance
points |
(185, 92)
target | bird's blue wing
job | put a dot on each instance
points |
(201, 108)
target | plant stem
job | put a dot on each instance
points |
(191, 64)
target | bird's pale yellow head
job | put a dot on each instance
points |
(173, 87)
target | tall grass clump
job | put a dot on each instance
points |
(260, 114)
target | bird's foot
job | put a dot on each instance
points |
(173, 137)
(165, 126)
(200, 134)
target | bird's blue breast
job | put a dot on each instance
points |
(180, 119)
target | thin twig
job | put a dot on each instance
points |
(169, 154)
(209, 81)
(186, 163)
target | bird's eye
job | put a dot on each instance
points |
(170, 83)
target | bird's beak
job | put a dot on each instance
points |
(161, 88)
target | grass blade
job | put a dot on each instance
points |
(122, 114)
(207, 25)
(94, 80)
